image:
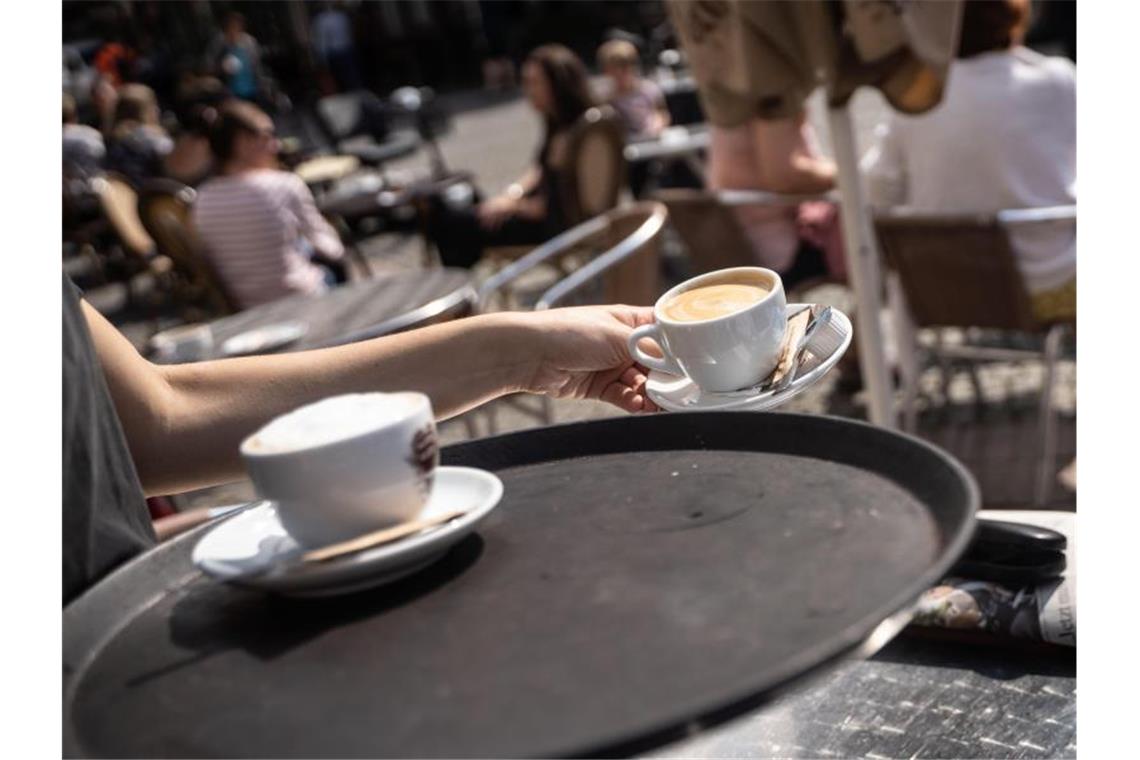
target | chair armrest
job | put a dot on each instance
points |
(765, 198)
(549, 250)
(602, 263)
(1010, 217)
(1047, 214)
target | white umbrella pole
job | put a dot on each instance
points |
(863, 269)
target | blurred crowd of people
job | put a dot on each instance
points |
(1003, 137)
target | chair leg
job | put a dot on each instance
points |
(945, 367)
(547, 411)
(469, 424)
(491, 412)
(1047, 420)
(906, 338)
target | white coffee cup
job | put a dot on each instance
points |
(346, 465)
(723, 353)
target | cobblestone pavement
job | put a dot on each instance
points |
(995, 436)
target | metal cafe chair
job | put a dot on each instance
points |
(712, 233)
(622, 265)
(960, 271)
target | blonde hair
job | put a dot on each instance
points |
(618, 53)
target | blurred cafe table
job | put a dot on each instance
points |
(321, 171)
(686, 143)
(356, 311)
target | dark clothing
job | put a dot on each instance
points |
(105, 518)
(809, 264)
(138, 153)
(461, 239)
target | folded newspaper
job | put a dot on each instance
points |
(1046, 612)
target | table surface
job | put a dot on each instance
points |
(360, 310)
(915, 698)
(673, 142)
(326, 168)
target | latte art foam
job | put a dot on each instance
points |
(712, 301)
(330, 420)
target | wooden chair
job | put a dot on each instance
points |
(119, 201)
(164, 211)
(712, 233)
(136, 252)
(961, 271)
(591, 184)
(623, 266)
(596, 171)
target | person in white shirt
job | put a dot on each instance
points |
(1004, 136)
(260, 226)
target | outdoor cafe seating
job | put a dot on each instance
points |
(691, 583)
(959, 271)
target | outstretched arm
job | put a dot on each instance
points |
(184, 423)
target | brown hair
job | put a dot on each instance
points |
(136, 104)
(618, 53)
(568, 84)
(992, 25)
(233, 118)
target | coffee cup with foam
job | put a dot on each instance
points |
(724, 329)
(346, 465)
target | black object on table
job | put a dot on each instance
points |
(682, 99)
(360, 310)
(642, 576)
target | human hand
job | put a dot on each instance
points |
(582, 353)
(493, 212)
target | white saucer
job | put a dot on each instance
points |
(264, 338)
(680, 394)
(253, 550)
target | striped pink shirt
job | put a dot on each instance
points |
(258, 227)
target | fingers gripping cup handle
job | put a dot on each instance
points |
(665, 363)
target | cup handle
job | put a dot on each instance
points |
(666, 363)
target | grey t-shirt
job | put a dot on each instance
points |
(105, 518)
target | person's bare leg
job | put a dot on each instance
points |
(733, 164)
(785, 161)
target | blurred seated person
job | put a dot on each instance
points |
(759, 141)
(83, 149)
(779, 156)
(262, 230)
(1004, 136)
(138, 144)
(529, 212)
(638, 101)
(191, 160)
(197, 100)
(641, 105)
(133, 428)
